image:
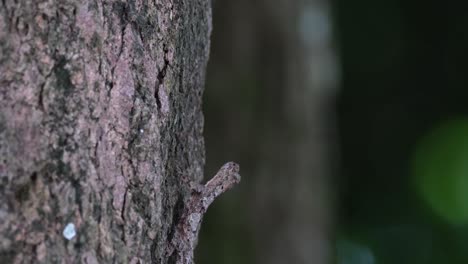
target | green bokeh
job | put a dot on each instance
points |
(440, 168)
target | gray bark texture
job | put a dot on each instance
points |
(100, 120)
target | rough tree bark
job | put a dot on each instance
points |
(100, 120)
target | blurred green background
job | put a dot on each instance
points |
(350, 122)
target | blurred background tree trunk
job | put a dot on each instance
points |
(276, 60)
(100, 118)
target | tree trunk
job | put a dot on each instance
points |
(100, 119)
(297, 142)
(278, 61)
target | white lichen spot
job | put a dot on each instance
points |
(141, 131)
(69, 232)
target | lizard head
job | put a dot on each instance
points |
(231, 170)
